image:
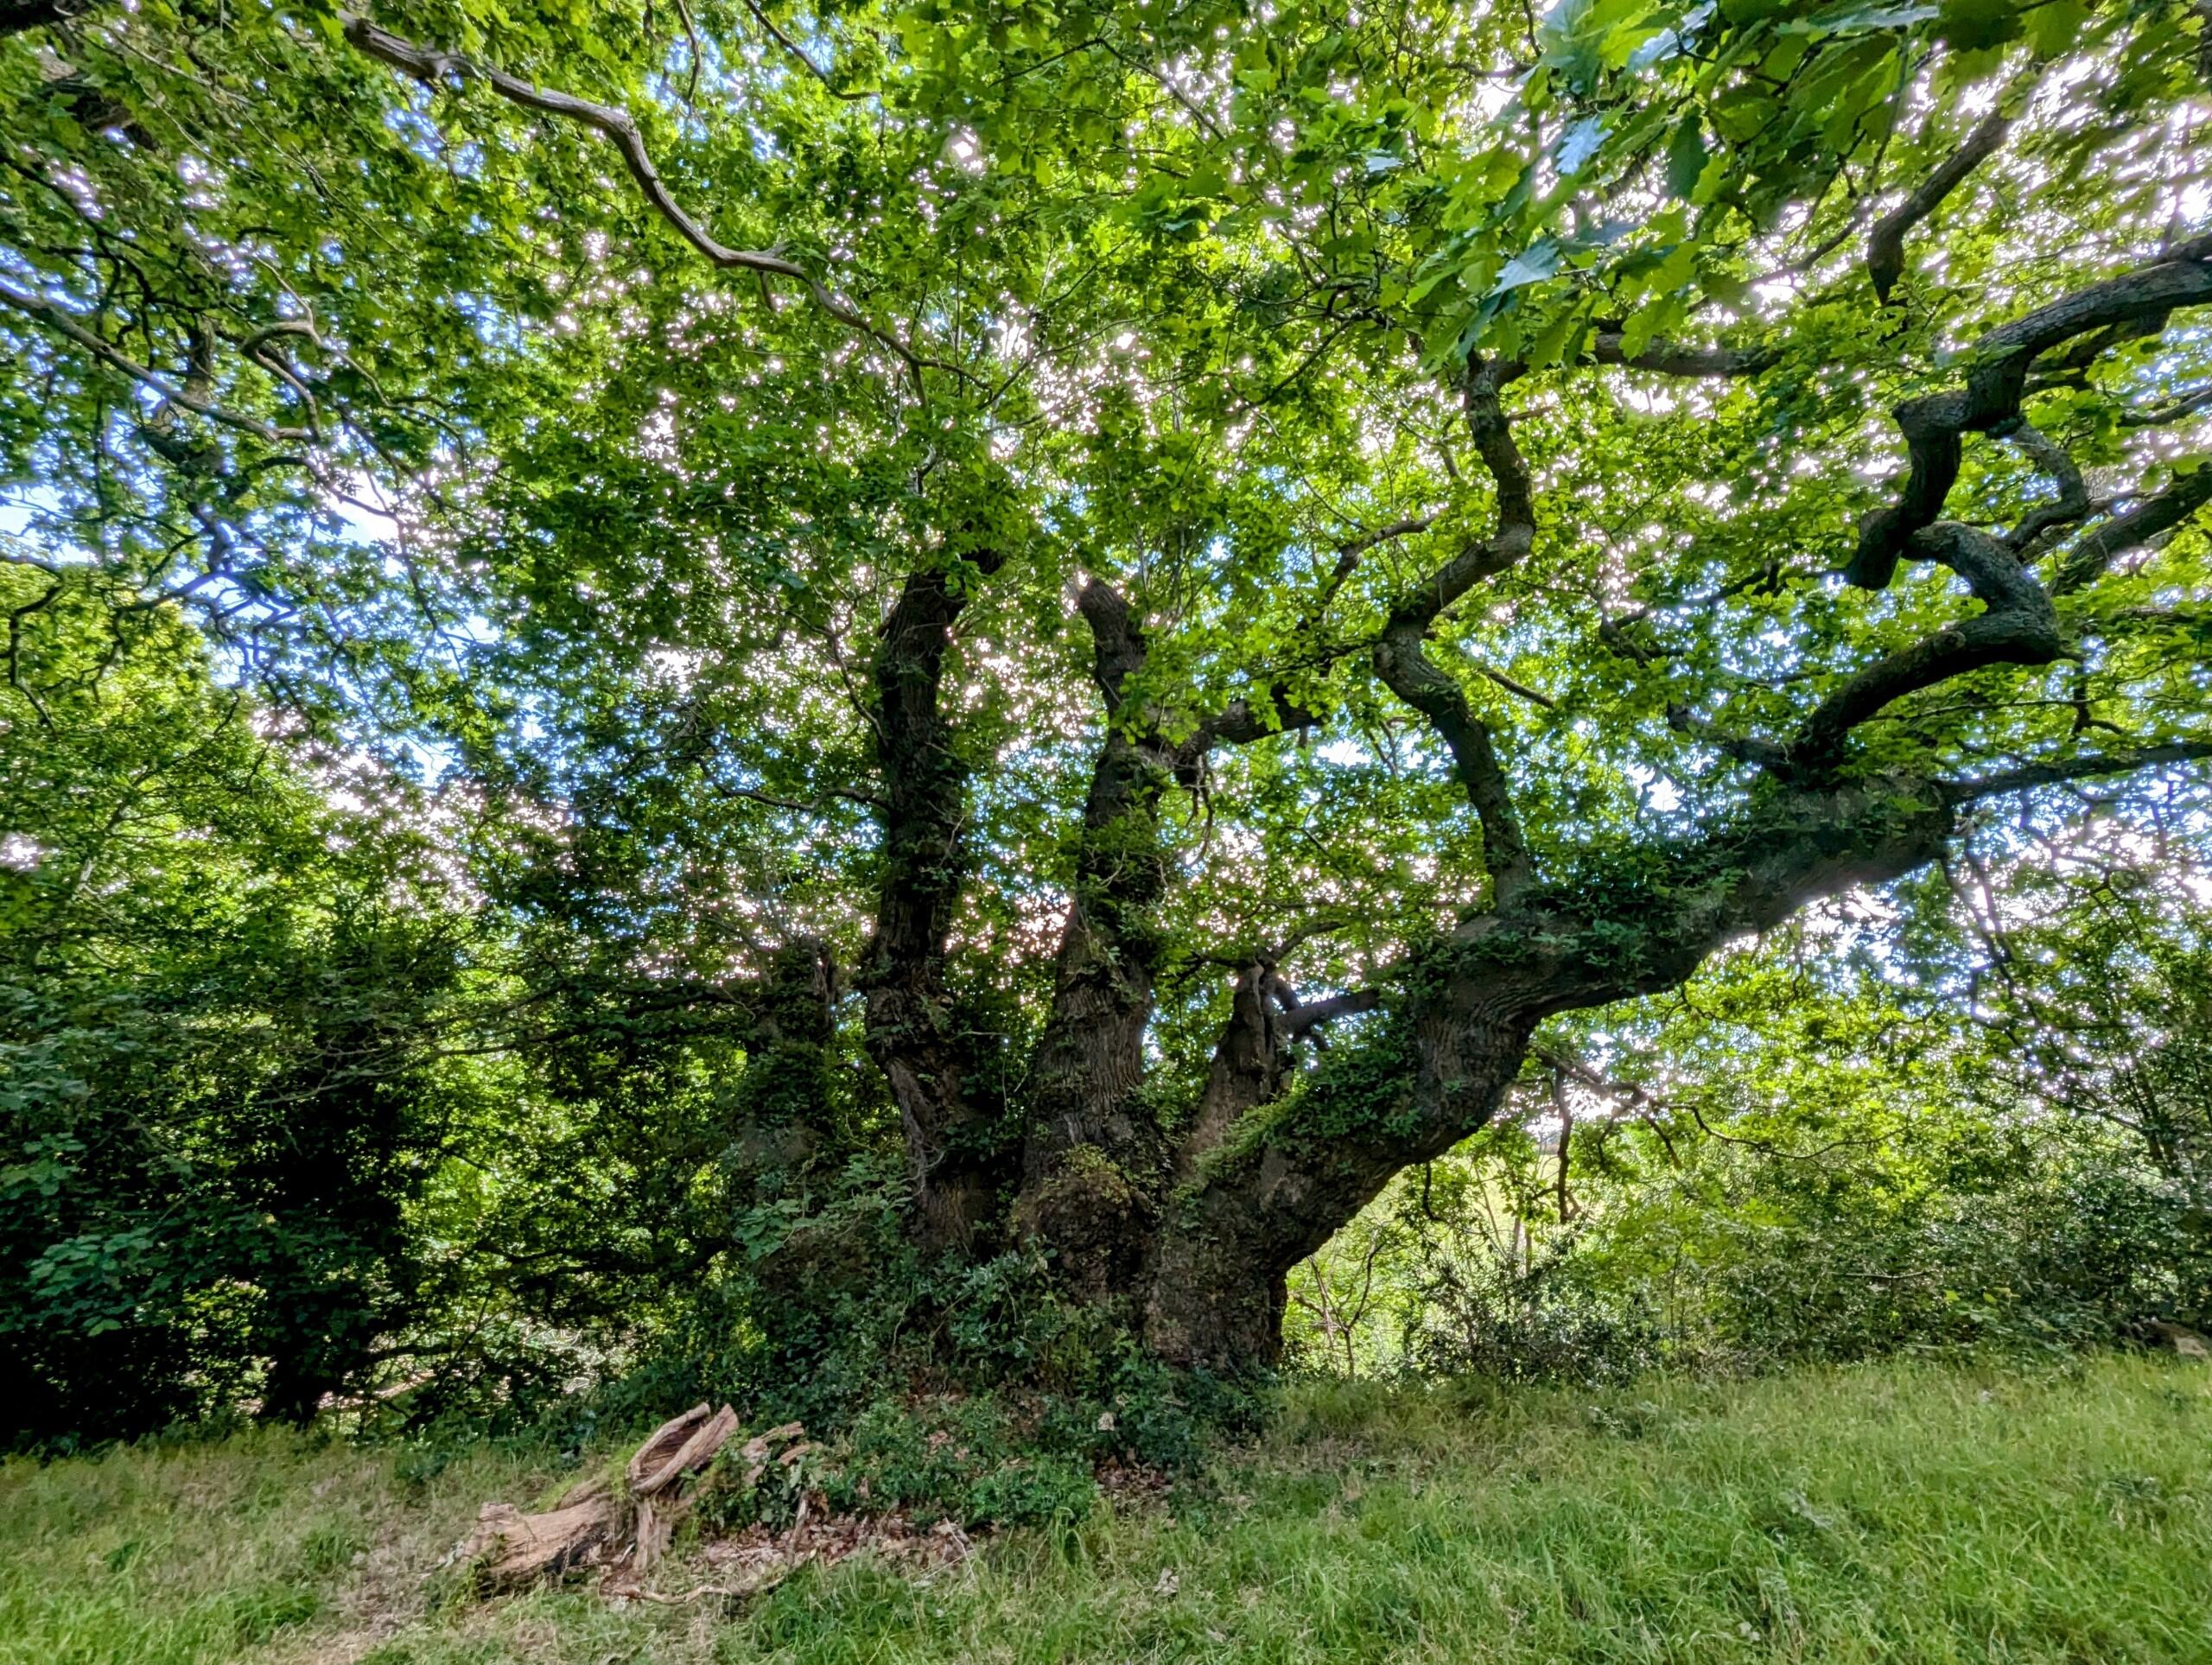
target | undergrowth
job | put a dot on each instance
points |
(1888, 1512)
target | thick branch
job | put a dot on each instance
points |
(1401, 656)
(1932, 425)
(1402, 662)
(1436, 1067)
(1764, 755)
(1096, 1156)
(910, 1032)
(2153, 516)
(1311, 1014)
(1886, 245)
(2017, 627)
(1242, 722)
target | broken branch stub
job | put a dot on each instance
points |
(693, 1452)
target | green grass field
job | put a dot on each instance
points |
(1890, 1512)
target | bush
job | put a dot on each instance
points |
(965, 1460)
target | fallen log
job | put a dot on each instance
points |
(510, 1550)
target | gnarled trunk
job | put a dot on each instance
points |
(1097, 1157)
(1198, 1228)
(1279, 1179)
(959, 1162)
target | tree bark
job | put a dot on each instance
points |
(783, 1110)
(17, 15)
(1286, 1176)
(958, 1160)
(1096, 1160)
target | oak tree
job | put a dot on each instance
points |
(1212, 565)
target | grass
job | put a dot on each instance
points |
(1893, 1512)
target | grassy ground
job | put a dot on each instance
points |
(1891, 1512)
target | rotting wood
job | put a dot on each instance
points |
(595, 1524)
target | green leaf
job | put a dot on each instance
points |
(1979, 25)
(1686, 156)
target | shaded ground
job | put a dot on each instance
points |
(1888, 1512)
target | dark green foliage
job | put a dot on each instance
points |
(962, 1460)
(1015, 1457)
(1791, 1165)
(218, 1004)
(1757, 1262)
(621, 784)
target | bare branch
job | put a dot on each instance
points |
(1166, 82)
(1347, 558)
(1521, 688)
(1301, 1018)
(2055, 460)
(760, 17)
(2164, 415)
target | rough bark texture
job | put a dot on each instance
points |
(1277, 1162)
(1434, 1067)
(957, 1162)
(782, 1115)
(19, 15)
(1886, 245)
(1932, 425)
(1095, 1158)
(1193, 1223)
(597, 1523)
(1198, 1228)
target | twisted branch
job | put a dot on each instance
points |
(1932, 425)
(1401, 655)
(434, 68)
(2018, 625)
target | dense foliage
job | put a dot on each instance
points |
(1820, 1157)
(784, 697)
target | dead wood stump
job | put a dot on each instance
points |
(595, 1522)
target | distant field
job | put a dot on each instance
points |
(1891, 1512)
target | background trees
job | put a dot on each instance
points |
(1090, 628)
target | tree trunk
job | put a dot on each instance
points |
(1098, 1159)
(1283, 1177)
(958, 1160)
(1258, 1204)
